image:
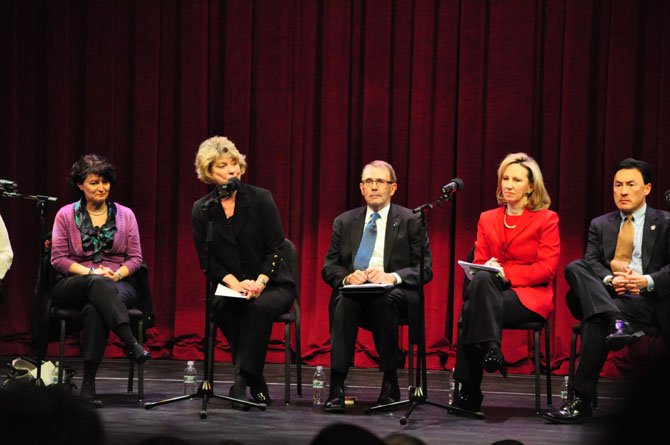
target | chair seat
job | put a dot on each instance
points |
(527, 326)
(286, 317)
(73, 314)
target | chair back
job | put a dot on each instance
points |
(289, 255)
(41, 330)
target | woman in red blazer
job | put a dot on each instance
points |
(520, 239)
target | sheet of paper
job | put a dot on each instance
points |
(225, 291)
(471, 268)
(367, 286)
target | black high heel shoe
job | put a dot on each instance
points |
(138, 353)
(494, 361)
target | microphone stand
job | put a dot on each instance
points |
(418, 394)
(206, 390)
(41, 205)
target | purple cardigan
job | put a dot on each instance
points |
(66, 242)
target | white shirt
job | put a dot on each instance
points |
(6, 254)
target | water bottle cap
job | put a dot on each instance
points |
(319, 368)
(190, 363)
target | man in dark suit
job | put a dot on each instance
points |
(378, 243)
(623, 282)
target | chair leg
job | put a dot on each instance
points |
(131, 375)
(571, 364)
(547, 360)
(298, 353)
(410, 358)
(61, 352)
(140, 367)
(287, 363)
(536, 335)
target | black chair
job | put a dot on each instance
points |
(69, 315)
(290, 256)
(45, 314)
(536, 327)
(575, 308)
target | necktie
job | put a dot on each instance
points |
(624, 243)
(364, 253)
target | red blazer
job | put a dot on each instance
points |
(528, 254)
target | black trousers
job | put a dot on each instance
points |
(104, 305)
(596, 300)
(379, 313)
(488, 309)
(247, 325)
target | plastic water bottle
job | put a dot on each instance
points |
(54, 375)
(452, 386)
(318, 386)
(564, 390)
(190, 378)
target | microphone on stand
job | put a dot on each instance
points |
(228, 188)
(223, 191)
(8, 186)
(452, 187)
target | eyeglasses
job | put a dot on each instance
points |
(378, 182)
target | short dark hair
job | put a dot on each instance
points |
(91, 164)
(641, 166)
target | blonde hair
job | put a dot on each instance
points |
(539, 198)
(210, 150)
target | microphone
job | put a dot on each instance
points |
(223, 191)
(452, 187)
(8, 186)
(228, 188)
(667, 196)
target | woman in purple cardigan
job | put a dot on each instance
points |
(96, 250)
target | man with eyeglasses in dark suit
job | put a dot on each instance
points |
(379, 243)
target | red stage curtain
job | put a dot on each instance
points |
(310, 91)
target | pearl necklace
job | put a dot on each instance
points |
(102, 212)
(505, 221)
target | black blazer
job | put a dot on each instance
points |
(601, 244)
(402, 251)
(248, 247)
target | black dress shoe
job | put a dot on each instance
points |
(260, 392)
(466, 403)
(335, 402)
(138, 353)
(239, 394)
(390, 392)
(494, 361)
(88, 394)
(575, 411)
(620, 336)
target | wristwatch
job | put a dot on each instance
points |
(608, 281)
(263, 281)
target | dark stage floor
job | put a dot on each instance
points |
(508, 404)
